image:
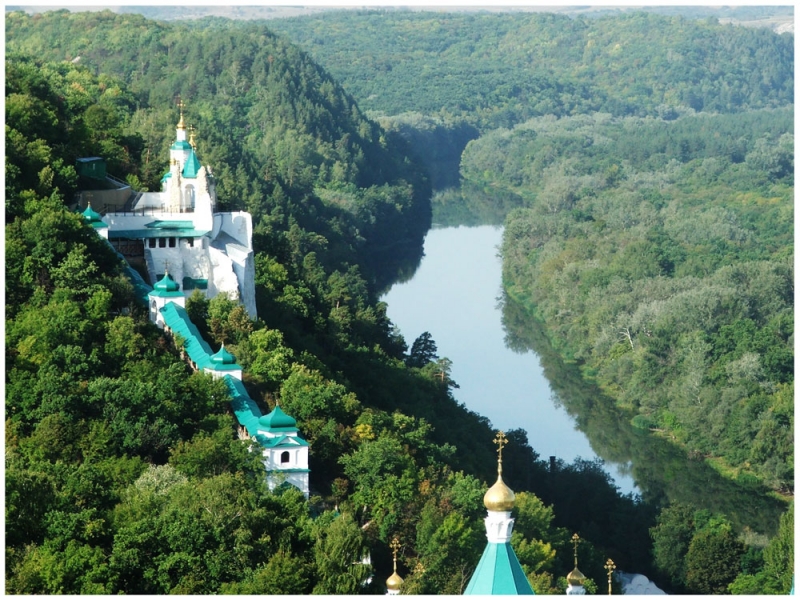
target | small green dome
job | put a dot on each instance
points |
(166, 284)
(277, 419)
(91, 215)
(223, 357)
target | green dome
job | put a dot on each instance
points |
(91, 215)
(223, 356)
(166, 284)
(277, 419)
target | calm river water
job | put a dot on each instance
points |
(454, 296)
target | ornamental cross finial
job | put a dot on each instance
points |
(395, 546)
(610, 567)
(575, 540)
(501, 440)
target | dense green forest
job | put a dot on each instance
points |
(274, 125)
(653, 227)
(659, 255)
(496, 69)
(123, 472)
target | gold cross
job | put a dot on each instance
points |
(501, 440)
(610, 567)
(575, 540)
(395, 546)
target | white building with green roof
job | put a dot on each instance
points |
(177, 229)
(284, 452)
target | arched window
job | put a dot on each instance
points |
(188, 195)
(284, 457)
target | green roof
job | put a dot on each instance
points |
(278, 421)
(498, 573)
(159, 224)
(181, 145)
(248, 414)
(143, 234)
(179, 322)
(277, 442)
(93, 218)
(192, 166)
(166, 284)
(166, 288)
(244, 407)
(222, 356)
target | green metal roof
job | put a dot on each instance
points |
(245, 409)
(161, 224)
(181, 145)
(93, 218)
(143, 234)
(278, 421)
(190, 283)
(166, 284)
(498, 573)
(192, 166)
(278, 442)
(248, 414)
(179, 322)
(222, 356)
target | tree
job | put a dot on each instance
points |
(423, 351)
(713, 560)
(338, 555)
(672, 536)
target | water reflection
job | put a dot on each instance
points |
(661, 469)
(454, 296)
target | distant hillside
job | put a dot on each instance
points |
(272, 122)
(503, 68)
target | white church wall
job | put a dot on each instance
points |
(223, 278)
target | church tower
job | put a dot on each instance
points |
(164, 291)
(499, 571)
(285, 452)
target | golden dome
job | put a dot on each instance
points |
(499, 497)
(181, 124)
(575, 577)
(394, 582)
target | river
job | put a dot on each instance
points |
(454, 295)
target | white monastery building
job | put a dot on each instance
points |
(177, 230)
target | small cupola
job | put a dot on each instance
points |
(278, 419)
(223, 357)
(166, 284)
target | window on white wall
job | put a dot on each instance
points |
(284, 457)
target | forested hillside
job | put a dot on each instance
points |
(660, 256)
(123, 471)
(273, 124)
(500, 69)
(651, 240)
